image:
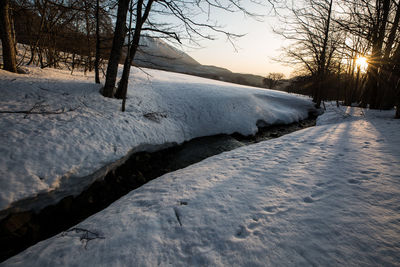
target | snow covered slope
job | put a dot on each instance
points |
(58, 153)
(157, 53)
(324, 196)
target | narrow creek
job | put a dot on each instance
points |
(19, 231)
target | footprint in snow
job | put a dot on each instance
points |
(184, 203)
(354, 181)
(251, 228)
(270, 209)
(317, 193)
(308, 200)
(253, 225)
(242, 233)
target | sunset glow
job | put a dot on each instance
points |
(362, 63)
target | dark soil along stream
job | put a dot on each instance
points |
(18, 231)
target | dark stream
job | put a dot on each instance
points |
(19, 231)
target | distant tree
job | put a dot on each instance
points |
(376, 25)
(331, 37)
(7, 38)
(380, 89)
(272, 79)
(63, 32)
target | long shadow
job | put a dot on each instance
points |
(353, 165)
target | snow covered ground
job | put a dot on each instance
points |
(63, 153)
(323, 196)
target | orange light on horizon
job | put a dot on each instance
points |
(362, 63)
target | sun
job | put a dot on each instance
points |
(362, 63)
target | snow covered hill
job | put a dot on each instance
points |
(70, 135)
(156, 53)
(323, 196)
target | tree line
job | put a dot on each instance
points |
(330, 40)
(55, 32)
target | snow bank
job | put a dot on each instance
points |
(324, 196)
(58, 153)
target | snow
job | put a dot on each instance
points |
(45, 157)
(323, 196)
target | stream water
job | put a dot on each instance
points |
(20, 230)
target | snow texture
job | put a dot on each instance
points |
(45, 157)
(323, 196)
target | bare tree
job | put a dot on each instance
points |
(62, 32)
(313, 39)
(272, 79)
(377, 40)
(376, 23)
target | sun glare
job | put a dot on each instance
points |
(362, 63)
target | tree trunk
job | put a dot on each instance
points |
(97, 58)
(397, 89)
(340, 85)
(123, 83)
(378, 94)
(392, 35)
(388, 66)
(318, 97)
(395, 79)
(373, 86)
(118, 41)
(9, 55)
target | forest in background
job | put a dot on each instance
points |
(346, 50)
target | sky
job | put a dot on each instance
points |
(254, 52)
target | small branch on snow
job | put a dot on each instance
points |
(37, 106)
(48, 90)
(155, 116)
(178, 216)
(86, 235)
(38, 112)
